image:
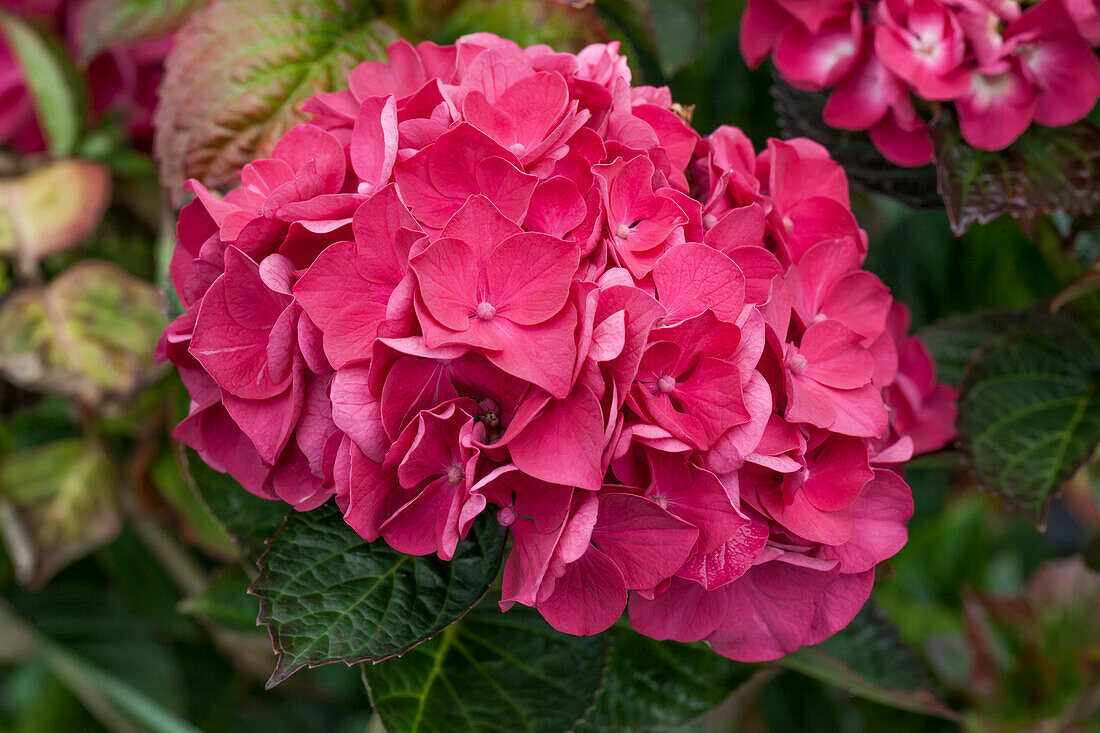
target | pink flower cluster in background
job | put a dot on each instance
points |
(122, 80)
(1002, 66)
(494, 279)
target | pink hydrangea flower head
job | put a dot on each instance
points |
(478, 282)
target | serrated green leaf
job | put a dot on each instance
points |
(225, 601)
(239, 72)
(1029, 412)
(326, 595)
(247, 518)
(661, 684)
(56, 103)
(870, 659)
(800, 115)
(491, 672)
(108, 22)
(954, 341)
(1047, 169)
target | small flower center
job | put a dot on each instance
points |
(788, 224)
(799, 364)
(489, 412)
(518, 149)
(666, 384)
(710, 220)
(506, 516)
(485, 310)
(661, 500)
(455, 474)
(623, 231)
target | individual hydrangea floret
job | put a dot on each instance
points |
(1002, 64)
(493, 280)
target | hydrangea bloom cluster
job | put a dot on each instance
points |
(1001, 65)
(121, 80)
(494, 279)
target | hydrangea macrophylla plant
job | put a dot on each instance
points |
(485, 278)
(1003, 66)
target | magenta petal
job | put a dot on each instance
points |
(558, 446)
(556, 207)
(543, 355)
(731, 560)
(233, 328)
(761, 25)
(309, 145)
(357, 413)
(447, 275)
(365, 485)
(684, 612)
(741, 227)
(374, 142)
(879, 513)
(647, 543)
(839, 470)
(588, 598)
(804, 519)
(1068, 75)
(268, 422)
(528, 277)
(481, 224)
(541, 512)
(330, 282)
(838, 605)
(771, 611)
(835, 356)
(692, 278)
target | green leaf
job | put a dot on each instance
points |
(658, 684)
(90, 334)
(225, 601)
(246, 517)
(954, 341)
(326, 595)
(1047, 169)
(51, 209)
(108, 22)
(57, 504)
(869, 659)
(492, 671)
(800, 115)
(1029, 413)
(239, 72)
(56, 103)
